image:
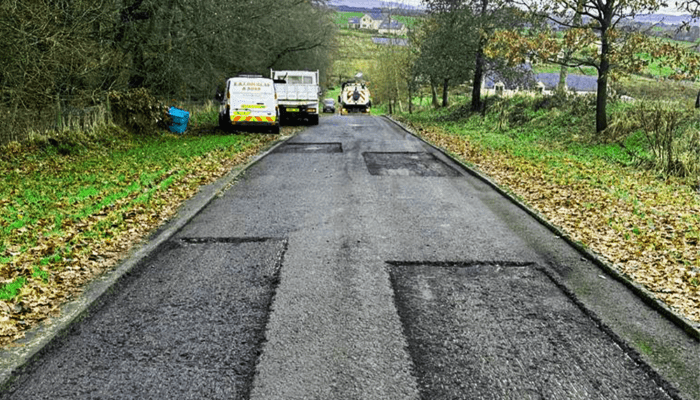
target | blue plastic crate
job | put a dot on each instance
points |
(180, 119)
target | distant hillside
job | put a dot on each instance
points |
(359, 10)
(665, 19)
(367, 5)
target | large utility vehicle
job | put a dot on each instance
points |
(354, 97)
(297, 94)
(249, 100)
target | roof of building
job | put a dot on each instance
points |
(354, 20)
(581, 83)
(392, 25)
(375, 15)
(390, 41)
(577, 82)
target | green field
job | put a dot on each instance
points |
(356, 53)
(342, 17)
(71, 204)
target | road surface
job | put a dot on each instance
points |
(357, 262)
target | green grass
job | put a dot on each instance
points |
(46, 197)
(410, 22)
(356, 54)
(563, 132)
(342, 17)
(11, 290)
(40, 274)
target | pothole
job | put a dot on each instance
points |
(407, 164)
(333, 147)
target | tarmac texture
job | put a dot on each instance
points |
(356, 262)
(187, 325)
(507, 332)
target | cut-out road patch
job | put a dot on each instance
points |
(407, 164)
(509, 332)
(334, 147)
(186, 323)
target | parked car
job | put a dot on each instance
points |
(328, 106)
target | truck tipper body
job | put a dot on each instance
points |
(297, 94)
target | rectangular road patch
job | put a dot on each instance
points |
(407, 164)
(506, 331)
(188, 322)
(333, 147)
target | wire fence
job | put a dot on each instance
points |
(19, 123)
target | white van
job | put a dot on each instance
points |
(249, 100)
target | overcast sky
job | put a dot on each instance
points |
(415, 3)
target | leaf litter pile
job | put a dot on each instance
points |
(648, 229)
(66, 219)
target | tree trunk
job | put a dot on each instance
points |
(479, 67)
(601, 118)
(410, 98)
(445, 88)
(433, 89)
(478, 77)
(563, 72)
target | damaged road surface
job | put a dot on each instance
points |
(357, 262)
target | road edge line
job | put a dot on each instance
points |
(645, 295)
(43, 335)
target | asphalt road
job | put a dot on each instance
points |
(356, 262)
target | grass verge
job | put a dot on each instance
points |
(646, 227)
(72, 206)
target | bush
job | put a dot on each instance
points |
(137, 110)
(670, 134)
(687, 154)
(576, 105)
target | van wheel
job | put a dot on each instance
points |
(275, 129)
(224, 122)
